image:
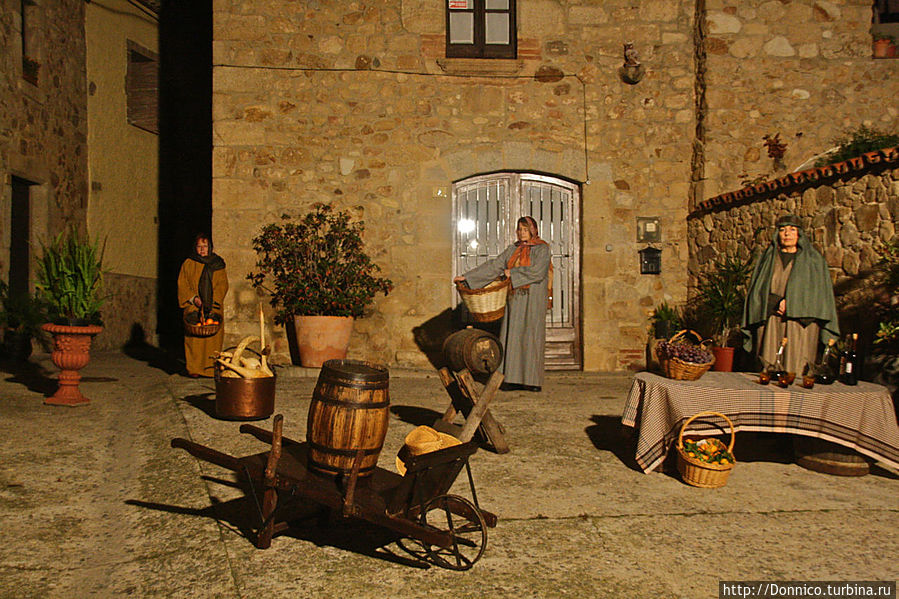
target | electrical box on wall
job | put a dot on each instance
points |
(648, 229)
(650, 261)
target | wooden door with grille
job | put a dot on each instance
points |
(486, 209)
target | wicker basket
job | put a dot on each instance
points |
(681, 370)
(486, 304)
(696, 472)
(195, 329)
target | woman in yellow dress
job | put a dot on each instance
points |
(202, 286)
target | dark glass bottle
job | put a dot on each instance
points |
(778, 371)
(850, 366)
(824, 374)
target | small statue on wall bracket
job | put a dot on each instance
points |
(632, 70)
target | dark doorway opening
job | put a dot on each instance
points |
(185, 148)
(20, 237)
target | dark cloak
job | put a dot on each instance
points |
(211, 263)
(809, 291)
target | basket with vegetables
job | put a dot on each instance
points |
(682, 359)
(705, 461)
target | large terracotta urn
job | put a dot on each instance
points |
(71, 353)
(322, 338)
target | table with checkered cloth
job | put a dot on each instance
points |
(860, 417)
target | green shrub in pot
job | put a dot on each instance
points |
(70, 279)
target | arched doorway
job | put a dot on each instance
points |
(485, 210)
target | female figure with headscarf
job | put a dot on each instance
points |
(523, 329)
(790, 295)
(202, 286)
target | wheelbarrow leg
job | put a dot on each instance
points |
(270, 493)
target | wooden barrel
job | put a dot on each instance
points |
(477, 350)
(244, 399)
(830, 458)
(349, 412)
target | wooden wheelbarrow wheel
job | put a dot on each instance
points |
(459, 518)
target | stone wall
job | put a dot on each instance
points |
(43, 127)
(354, 104)
(364, 112)
(800, 69)
(849, 211)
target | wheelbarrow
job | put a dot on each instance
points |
(451, 529)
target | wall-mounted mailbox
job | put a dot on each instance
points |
(650, 261)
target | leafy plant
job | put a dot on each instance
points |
(70, 279)
(317, 265)
(856, 142)
(888, 329)
(666, 320)
(722, 293)
(22, 313)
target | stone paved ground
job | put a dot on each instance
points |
(95, 503)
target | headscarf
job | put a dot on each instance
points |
(522, 254)
(809, 290)
(211, 263)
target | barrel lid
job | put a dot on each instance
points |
(357, 370)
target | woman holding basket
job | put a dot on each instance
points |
(523, 331)
(202, 286)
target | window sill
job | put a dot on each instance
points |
(480, 66)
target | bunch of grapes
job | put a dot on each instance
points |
(684, 351)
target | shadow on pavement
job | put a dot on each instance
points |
(415, 415)
(155, 357)
(309, 522)
(34, 377)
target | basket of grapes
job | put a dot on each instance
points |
(705, 461)
(682, 359)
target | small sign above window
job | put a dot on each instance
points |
(460, 4)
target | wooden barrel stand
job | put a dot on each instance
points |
(830, 458)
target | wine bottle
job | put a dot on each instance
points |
(825, 372)
(850, 367)
(778, 370)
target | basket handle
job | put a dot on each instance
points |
(683, 333)
(680, 435)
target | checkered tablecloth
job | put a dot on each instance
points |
(860, 417)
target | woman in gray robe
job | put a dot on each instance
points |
(523, 329)
(790, 295)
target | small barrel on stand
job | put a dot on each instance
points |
(477, 350)
(348, 413)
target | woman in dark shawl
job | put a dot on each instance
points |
(202, 286)
(523, 330)
(790, 295)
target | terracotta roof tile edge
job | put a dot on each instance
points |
(746, 194)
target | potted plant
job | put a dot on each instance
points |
(665, 320)
(21, 317)
(884, 46)
(320, 279)
(720, 296)
(70, 282)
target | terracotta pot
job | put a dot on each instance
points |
(322, 338)
(71, 353)
(724, 359)
(882, 48)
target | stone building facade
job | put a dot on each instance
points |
(43, 123)
(355, 104)
(68, 155)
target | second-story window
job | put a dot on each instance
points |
(480, 29)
